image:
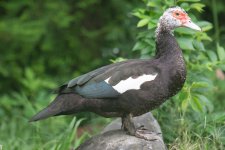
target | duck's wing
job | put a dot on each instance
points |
(111, 81)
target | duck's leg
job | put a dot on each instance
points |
(128, 124)
(141, 132)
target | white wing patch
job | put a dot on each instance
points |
(131, 83)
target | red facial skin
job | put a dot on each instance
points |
(183, 17)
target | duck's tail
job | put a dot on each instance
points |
(64, 104)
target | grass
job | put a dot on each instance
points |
(61, 133)
(189, 131)
(52, 134)
(17, 133)
(194, 130)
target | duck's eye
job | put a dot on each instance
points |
(177, 14)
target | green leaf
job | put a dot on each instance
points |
(143, 22)
(184, 96)
(118, 59)
(220, 52)
(185, 6)
(204, 36)
(152, 4)
(195, 104)
(199, 85)
(212, 55)
(205, 25)
(145, 50)
(184, 105)
(206, 102)
(139, 13)
(188, 1)
(152, 25)
(222, 65)
(198, 45)
(139, 45)
(185, 31)
(218, 117)
(197, 6)
(185, 43)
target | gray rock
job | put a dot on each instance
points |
(112, 138)
(147, 120)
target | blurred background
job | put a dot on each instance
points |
(43, 44)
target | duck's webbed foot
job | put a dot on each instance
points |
(147, 135)
(140, 132)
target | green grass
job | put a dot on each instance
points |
(31, 72)
(57, 133)
(16, 132)
(192, 130)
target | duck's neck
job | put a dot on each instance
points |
(166, 44)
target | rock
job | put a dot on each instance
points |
(147, 120)
(112, 138)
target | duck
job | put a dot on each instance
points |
(129, 88)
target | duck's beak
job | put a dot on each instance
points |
(192, 25)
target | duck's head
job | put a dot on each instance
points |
(175, 17)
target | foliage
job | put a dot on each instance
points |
(197, 93)
(59, 39)
(199, 60)
(22, 135)
(45, 43)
